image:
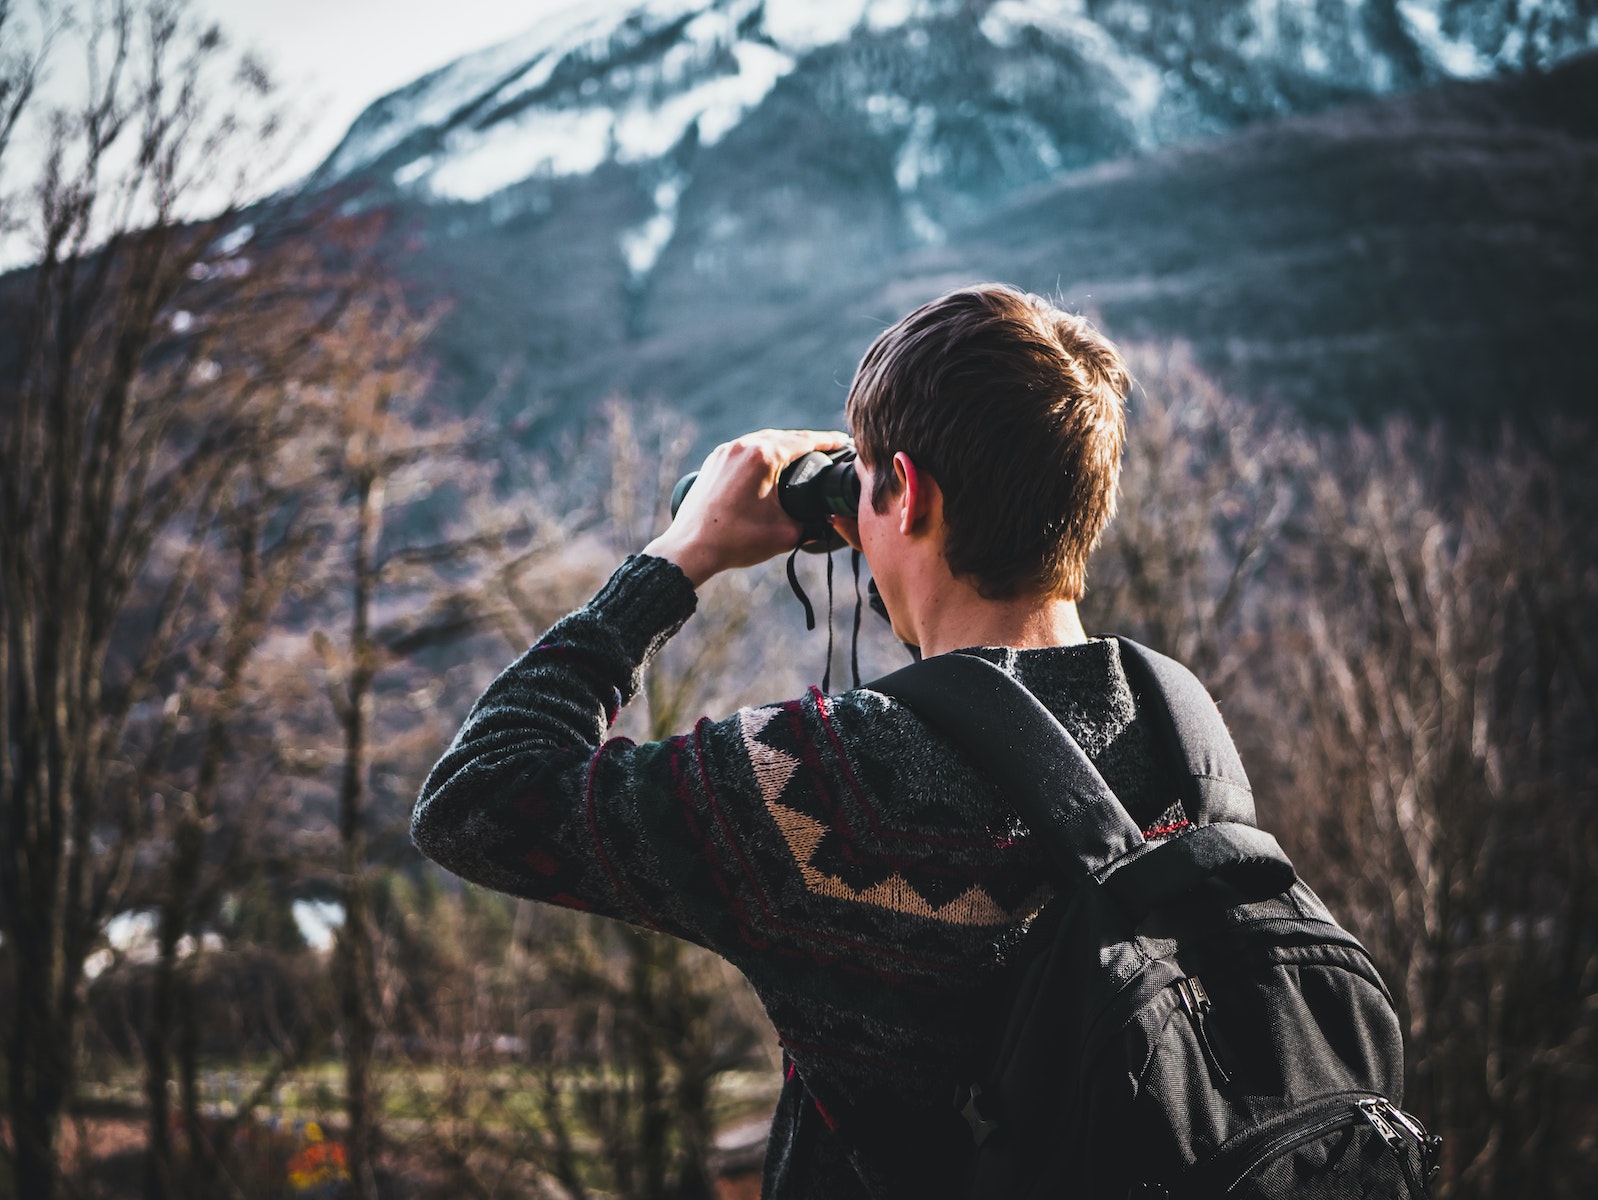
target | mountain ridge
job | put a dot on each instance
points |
(583, 58)
(638, 275)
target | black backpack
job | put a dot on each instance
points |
(1188, 1020)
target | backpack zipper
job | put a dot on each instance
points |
(1325, 1115)
(1116, 1015)
(1344, 1113)
(1431, 1145)
(1196, 1003)
(1382, 1115)
(1375, 1112)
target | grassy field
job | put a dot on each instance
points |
(437, 1121)
(495, 1092)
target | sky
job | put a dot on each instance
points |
(331, 59)
(334, 57)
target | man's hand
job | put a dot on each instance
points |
(730, 517)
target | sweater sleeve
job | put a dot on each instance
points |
(532, 799)
(825, 833)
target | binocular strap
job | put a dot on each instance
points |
(810, 612)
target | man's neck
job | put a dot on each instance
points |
(956, 616)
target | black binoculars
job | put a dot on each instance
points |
(810, 489)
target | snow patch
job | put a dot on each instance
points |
(575, 134)
(883, 15)
(502, 71)
(557, 141)
(477, 164)
(642, 245)
(886, 112)
(759, 69)
(800, 25)
(713, 27)
(922, 227)
(317, 920)
(1141, 82)
(1457, 58)
(234, 241)
(614, 102)
(413, 170)
(918, 157)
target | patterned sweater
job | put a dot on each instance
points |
(849, 862)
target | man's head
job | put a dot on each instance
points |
(1017, 410)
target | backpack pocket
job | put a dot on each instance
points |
(1350, 1144)
(1274, 1049)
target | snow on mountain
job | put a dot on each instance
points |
(1136, 85)
(593, 82)
(647, 172)
(625, 81)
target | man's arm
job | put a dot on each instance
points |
(531, 799)
(515, 802)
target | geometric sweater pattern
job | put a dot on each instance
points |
(868, 882)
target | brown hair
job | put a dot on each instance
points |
(1017, 409)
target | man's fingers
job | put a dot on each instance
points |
(825, 439)
(792, 443)
(730, 517)
(768, 451)
(752, 463)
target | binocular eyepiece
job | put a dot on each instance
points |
(810, 489)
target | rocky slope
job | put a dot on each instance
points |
(717, 202)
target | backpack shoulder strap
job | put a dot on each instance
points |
(1038, 767)
(1187, 721)
(1029, 756)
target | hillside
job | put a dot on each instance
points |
(715, 203)
(1435, 251)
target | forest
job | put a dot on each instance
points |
(253, 572)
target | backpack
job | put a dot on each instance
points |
(1189, 1020)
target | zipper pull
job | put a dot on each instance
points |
(1375, 1112)
(1196, 1002)
(1382, 1116)
(974, 1110)
(1430, 1144)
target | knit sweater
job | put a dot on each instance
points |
(857, 870)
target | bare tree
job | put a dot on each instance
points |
(1208, 487)
(1390, 620)
(1436, 672)
(262, 541)
(675, 1017)
(396, 575)
(611, 1040)
(144, 366)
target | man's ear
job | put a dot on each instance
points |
(918, 493)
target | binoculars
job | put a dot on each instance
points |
(810, 489)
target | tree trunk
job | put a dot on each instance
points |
(158, 1172)
(39, 1075)
(355, 969)
(355, 941)
(199, 1171)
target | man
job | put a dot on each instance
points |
(857, 870)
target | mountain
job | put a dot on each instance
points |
(694, 198)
